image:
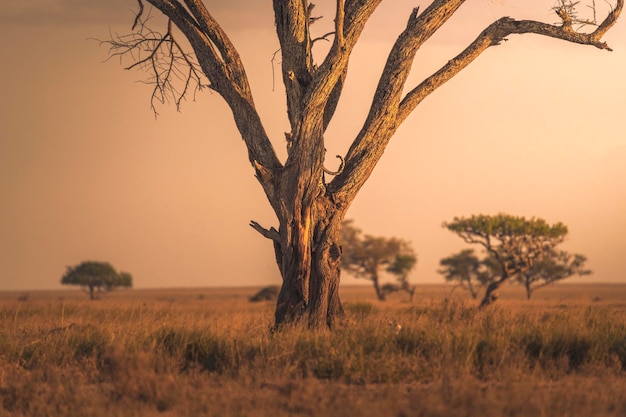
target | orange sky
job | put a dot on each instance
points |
(534, 127)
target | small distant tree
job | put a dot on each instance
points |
(468, 271)
(96, 276)
(365, 257)
(516, 243)
(551, 269)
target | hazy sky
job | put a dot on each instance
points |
(534, 127)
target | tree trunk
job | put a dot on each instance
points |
(310, 291)
(309, 258)
(380, 294)
(411, 291)
(490, 292)
(528, 288)
(470, 287)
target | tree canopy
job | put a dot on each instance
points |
(310, 202)
(96, 276)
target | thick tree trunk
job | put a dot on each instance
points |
(310, 266)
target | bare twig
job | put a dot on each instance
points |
(273, 75)
(138, 16)
(323, 37)
(173, 73)
(339, 170)
(567, 11)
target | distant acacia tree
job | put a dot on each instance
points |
(467, 270)
(367, 256)
(470, 272)
(193, 51)
(96, 276)
(550, 269)
(516, 243)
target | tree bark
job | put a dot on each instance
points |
(309, 258)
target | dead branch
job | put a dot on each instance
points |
(497, 32)
(339, 170)
(273, 60)
(324, 37)
(173, 73)
(270, 233)
(567, 11)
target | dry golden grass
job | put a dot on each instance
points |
(210, 352)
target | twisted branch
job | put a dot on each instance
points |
(339, 170)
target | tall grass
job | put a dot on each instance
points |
(137, 358)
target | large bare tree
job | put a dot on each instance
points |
(309, 206)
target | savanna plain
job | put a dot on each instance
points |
(210, 352)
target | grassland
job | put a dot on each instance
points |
(210, 352)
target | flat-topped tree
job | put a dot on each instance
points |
(96, 276)
(309, 207)
(516, 243)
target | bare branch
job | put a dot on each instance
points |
(328, 80)
(138, 16)
(494, 35)
(273, 75)
(228, 53)
(568, 13)
(270, 233)
(292, 27)
(339, 170)
(219, 62)
(324, 37)
(388, 111)
(381, 122)
(340, 16)
(174, 73)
